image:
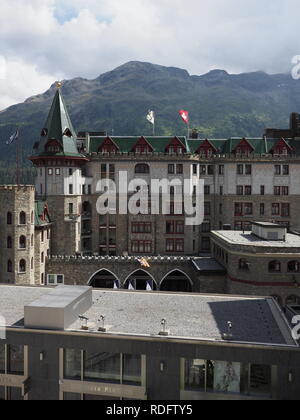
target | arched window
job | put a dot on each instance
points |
(22, 219)
(9, 242)
(22, 242)
(42, 257)
(142, 168)
(9, 218)
(9, 266)
(22, 266)
(32, 218)
(243, 264)
(32, 263)
(275, 267)
(293, 267)
(31, 240)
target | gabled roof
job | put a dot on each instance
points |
(126, 144)
(58, 127)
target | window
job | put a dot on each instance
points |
(275, 209)
(179, 169)
(50, 171)
(277, 190)
(207, 190)
(293, 267)
(22, 266)
(42, 258)
(57, 171)
(9, 218)
(55, 279)
(22, 242)
(175, 245)
(248, 169)
(285, 170)
(238, 209)
(221, 190)
(9, 242)
(142, 168)
(132, 370)
(9, 266)
(243, 264)
(195, 169)
(277, 169)
(275, 267)
(248, 209)
(262, 190)
(206, 227)
(240, 169)
(175, 226)
(221, 169)
(171, 169)
(15, 359)
(141, 247)
(203, 170)
(71, 208)
(239, 190)
(227, 377)
(285, 190)
(22, 218)
(248, 190)
(141, 227)
(102, 367)
(207, 209)
(220, 208)
(210, 170)
(262, 209)
(72, 364)
(285, 210)
(70, 171)
(70, 189)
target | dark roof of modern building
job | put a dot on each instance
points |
(208, 264)
(188, 316)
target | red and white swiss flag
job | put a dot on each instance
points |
(184, 115)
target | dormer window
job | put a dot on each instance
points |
(44, 132)
(206, 149)
(67, 132)
(244, 148)
(175, 147)
(282, 148)
(142, 146)
(53, 147)
(108, 146)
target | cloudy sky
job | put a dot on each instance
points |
(45, 40)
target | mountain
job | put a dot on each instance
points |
(220, 104)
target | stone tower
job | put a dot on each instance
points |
(17, 230)
(59, 177)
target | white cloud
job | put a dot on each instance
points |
(88, 37)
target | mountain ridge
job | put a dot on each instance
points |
(220, 104)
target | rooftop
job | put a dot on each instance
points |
(249, 239)
(189, 316)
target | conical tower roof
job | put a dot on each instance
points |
(58, 132)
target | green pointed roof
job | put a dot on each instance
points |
(59, 128)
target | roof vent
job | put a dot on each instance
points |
(228, 336)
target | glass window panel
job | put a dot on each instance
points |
(2, 393)
(68, 396)
(72, 364)
(14, 394)
(104, 367)
(16, 360)
(194, 375)
(2, 358)
(132, 369)
(260, 380)
(227, 377)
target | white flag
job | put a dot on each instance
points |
(130, 287)
(149, 288)
(151, 117)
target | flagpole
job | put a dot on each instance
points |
(154, 114)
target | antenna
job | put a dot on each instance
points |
(164, 331)
(228, 336)
(102, 326)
